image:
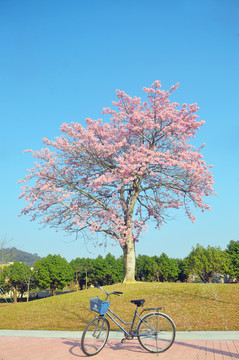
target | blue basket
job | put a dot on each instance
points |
(98, 305)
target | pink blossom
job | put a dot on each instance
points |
(113, 177)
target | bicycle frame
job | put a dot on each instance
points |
(155, 330)
(129, 333)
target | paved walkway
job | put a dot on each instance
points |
(41, 345)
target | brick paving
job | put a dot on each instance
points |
(33, 348)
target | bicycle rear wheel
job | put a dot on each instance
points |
(95, 335)
(156, 332)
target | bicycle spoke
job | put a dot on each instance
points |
(156, 332)
(95, 336)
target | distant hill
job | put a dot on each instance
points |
(13, 254)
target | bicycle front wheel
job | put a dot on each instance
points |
(156, 332)
(95, 335)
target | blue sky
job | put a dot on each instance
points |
(62, 61)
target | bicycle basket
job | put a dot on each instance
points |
(98, 305)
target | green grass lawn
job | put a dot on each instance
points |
(193, 307)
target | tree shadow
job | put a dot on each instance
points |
(199, 296)
(207, 349)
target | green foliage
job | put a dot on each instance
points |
(53, 272)
(168, 268)
(206, 263)
(83, 270)
(107, 271)
(233, 252)
(156, 268)
(16, 277)
(115, 269)
(184, 270)
(98, 271)
(143, 268)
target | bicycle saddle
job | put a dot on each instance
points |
(138, 302)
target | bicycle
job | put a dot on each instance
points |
(155, 330)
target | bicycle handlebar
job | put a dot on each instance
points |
(118, 293)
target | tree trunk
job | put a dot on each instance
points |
(129, 261)
(28, 287)
(53, 291)
(15, 296)
(86, 280)
(77, 282)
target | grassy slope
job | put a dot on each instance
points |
(191, 306)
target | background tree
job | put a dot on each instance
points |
(115, 267)
(99, 271)
(102, 271)
(208, 262)
(107, 271)
(144, 268)
(168, 268)
(29, 280)
(183, 269)
(156, 268)
(233, 252)
(16, 277)
(53, 272)
(83, 271)
(3, 280)
(113, 177)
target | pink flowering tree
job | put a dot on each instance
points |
(113, 177)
